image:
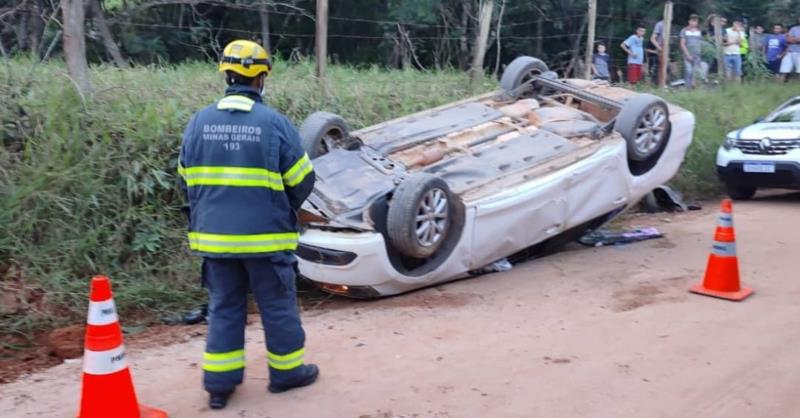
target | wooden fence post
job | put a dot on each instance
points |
(322, 39)
(666, 33)
(590, 39)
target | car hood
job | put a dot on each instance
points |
(782, 130)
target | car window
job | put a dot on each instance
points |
(788, 114)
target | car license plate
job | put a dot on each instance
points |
(759, 167)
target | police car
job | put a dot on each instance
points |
(763, 155)
(438, 195)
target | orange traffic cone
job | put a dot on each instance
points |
(107, 384)
(722, 272)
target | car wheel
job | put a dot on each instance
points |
(519, 72)
(420, 215)
(740, 193)
(321, 132)
(644, 123)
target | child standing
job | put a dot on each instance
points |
(634, 47)
(600, 62)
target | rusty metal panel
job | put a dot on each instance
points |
(347, 182)
(413, 131)
(497, 160)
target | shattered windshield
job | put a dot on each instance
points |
(789, 114)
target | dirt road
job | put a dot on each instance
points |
(589, 332)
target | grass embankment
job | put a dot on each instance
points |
(88, 185)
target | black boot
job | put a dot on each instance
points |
(218, 400)
(307, 375)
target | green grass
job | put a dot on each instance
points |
(87, 185)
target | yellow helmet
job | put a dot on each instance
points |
(245, 58)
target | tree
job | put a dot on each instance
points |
(105, 33)
(75, 44)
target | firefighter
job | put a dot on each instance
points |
(245, 175)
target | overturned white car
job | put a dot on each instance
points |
(429, 197)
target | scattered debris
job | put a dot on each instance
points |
(195, 316)
(604, 237)
(666, 199)
(498, 266)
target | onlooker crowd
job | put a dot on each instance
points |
(777, 52)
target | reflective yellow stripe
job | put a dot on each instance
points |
(242, 103)
(223, 362)
(181, 170)
(298, 171)
(286, 361)
(231, 176)
(239, 244)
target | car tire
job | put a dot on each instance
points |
(740, 192)
(420, 215)
(518, 72)
(644, 123)
(321, 132)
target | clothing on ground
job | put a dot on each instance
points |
(635, 44)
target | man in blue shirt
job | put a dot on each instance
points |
(774, 48)
(634, 47)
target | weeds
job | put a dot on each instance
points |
(90, 187)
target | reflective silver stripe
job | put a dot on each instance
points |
(104, 362)
(277, 183)
(236, 102)
(300, 172)
(725, 220)
(243, 243)
(274, 362)
(102, 313)
(724, 249)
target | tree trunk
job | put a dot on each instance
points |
(75, 44)
(463, 44)
(539, 36)
(264, 15)
(576, 49)
(22, 31)
(499, 28)
(36, 25)
(322, 39)
(105, 33)
(484, 22)
(590, 39)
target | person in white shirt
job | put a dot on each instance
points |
(733, 58)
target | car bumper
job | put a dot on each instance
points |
(730, 169)
(354, 264)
